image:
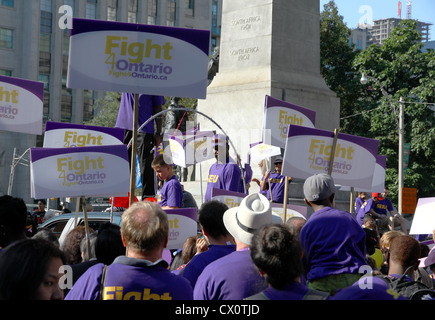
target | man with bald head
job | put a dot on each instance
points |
(141, 274)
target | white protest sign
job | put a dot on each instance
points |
(260, 151)
(308, 151)
(67, 135)
(182, 224)
(21, 104)
(76, 172)
(424, 217)
(138, 58)
(278, 117)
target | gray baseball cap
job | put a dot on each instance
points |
(319, 187)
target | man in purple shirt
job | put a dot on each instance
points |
(146, 138)
(225, 173)
(332, 240)
(142, 274)
(234, 276)
(274, 183)
(219, 241)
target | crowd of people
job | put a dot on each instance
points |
(245, 252)
(240, 253)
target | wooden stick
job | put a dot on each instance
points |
(133, 148)
(332, 157)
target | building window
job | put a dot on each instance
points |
(152, 11)
(6, 73)
(132, 11)
(171, 13)
(6, 38)
(46, 5)
(91, 9)
(7, 3)
(112, 8)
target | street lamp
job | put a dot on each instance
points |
(364, 79)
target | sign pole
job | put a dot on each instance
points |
(134, 148)
(85, 217)
(285, 198)
(334, 147)
(352, 200)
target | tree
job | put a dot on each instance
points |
(336, 65)
(402, 70)
(106, 110)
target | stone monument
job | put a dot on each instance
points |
(268, 47)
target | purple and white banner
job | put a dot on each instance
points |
(378, 182)
(233, 199)
(21, 105)
(182, 224)
(67, 135)
(76, 172)
(308, 151)
(189, 149)
(136, 58)
(424, 217)
(279, 115)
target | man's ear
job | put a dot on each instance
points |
(307, 202)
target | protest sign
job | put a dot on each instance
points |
(137, 58)
(378, 182)
(182, 225)
(278, 117)
(76, 172)
(292, 211)
(260, 151)
(21, 104)
(230, 198)
(309, 151)
(67, 135)
(424, 217)
(189, 149)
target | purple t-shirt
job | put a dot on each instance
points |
(364, 209)
(293, 291)
(146, 110)
(171, 194)
(358, 203)
(333, 243)
(198, 263)
(277, 185)
(131, 279)
(383, 206)
(226, 176)
(232, 277)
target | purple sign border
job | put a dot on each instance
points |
(115, 132)
(35, 87)
(273, 102)
(371, 145)
(198, 38)
(41, 153)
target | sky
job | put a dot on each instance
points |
(354, 11)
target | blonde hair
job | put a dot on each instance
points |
(144, 226)
(387, 237)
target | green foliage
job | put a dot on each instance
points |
(106, 110)
(401, 69)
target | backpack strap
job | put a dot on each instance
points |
(258, 296)
(315, 295)
(103, 281)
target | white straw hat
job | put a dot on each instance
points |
(253, 213)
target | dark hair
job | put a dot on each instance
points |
(277, 252)
(23, 266)
(13, 215)
(109, 243)
(211, 218)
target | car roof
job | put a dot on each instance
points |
(90, 215)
